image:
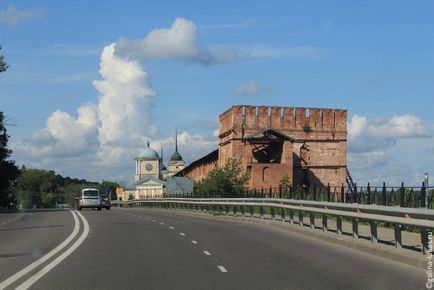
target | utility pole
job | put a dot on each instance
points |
(427, 190)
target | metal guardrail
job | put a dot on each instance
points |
(397, 216)
(403, 196)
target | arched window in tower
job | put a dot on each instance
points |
(266, 174)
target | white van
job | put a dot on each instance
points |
(90, 198)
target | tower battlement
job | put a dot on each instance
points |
(283, 118)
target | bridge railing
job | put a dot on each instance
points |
(418, 218)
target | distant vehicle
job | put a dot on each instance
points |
(105, 202)
(89, 198)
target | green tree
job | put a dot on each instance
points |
(28, 187)
(71, 191)
(226, 181)
(284, 181)
(48, 189)
(3, 65)
(109, 187)
(9, 171)
(48, 199)
(45, 188)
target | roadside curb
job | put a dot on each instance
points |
(403, 256)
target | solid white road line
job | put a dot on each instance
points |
(29, 282)
(207, 253)
(222, 269)
(194, 242)
(182, 234)
(47, 256)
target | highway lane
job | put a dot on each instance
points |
(263, 257)
(126, 252)
(27, 236)
(149, 249)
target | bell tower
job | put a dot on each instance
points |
(176, 163)
(147, 164)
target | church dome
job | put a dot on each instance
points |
(176, 157)
(148, 153)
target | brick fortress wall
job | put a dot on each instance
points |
(198, 169)
(317, 147)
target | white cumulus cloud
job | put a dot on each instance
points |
(357, 126)
(370, 142)
(70, 131)
(125, 100)
(63, 135)
(371, 136)
(106, 134)
(405, 126)
(177, 42)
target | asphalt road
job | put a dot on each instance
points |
(150, 249)
(25, 237)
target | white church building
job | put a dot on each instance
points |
(152, 179)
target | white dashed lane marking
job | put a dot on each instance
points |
(222, 269)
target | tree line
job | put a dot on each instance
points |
(45, 188)
(8, 170)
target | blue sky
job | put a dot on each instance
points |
(375, 59)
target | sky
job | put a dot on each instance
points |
(90, 82)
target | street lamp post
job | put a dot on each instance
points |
(427, 190)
